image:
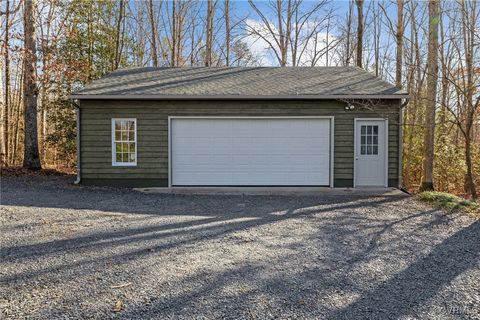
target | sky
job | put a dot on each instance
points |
(259, 47)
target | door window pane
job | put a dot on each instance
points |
(369, 140)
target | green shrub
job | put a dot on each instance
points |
(448, 201)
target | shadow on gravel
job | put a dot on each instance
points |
(60, 193)
(418, 283)
(181, 233)
(393, 299)
(342, 240)
(213, 223)
(397, 297)
(219, 214)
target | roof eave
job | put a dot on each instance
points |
(238, 97)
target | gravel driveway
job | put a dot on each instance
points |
(83, 252)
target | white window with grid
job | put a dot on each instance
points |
(124, 142)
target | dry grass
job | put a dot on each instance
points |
(449, 202)
(20, 171)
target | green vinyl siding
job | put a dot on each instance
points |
(152, 133)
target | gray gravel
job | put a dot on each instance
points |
(82, 252)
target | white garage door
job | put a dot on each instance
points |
(250, 151)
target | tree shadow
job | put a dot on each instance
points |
(413, 287)
(206, 228)
(343, 237)
(401, 295)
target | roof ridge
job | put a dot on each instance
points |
(241, 81)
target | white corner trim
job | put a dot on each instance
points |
(332, 151)
(78, 115)
(169, 143)
(386, 153)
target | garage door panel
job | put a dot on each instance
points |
(250, 151)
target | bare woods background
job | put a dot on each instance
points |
(430, 48)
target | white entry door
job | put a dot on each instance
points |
(371, 152)
(250, 151)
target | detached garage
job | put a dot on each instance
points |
(293, 126)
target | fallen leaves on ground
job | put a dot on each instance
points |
(118, 306)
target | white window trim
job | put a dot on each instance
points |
(114, 161)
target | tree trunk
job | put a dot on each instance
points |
(153, 51)
(227, 33)
(180, 27)
(360, 33)
(17, 106)
(174, 34)
(468, 28)
(432, 79)
(119, 31)
(376, 41)
(7, 84)
(327, 44)
(90, 42)
(16, 135)
(470, 183)
(284, 33)
(349, 32)
(192, 42)
(209, 40)
(31, 158)
(399, 38)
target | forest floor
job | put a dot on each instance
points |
(86, 252)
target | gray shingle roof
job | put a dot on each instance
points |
(233, 82)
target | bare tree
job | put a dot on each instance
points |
(398, 32)
(194, 40)
(31, 158)
(175, 39)
(329, 48)
(399, 38)
(154, 33)
(119, 35)
(469, 28)
(277, 36)
(377, 32)
(291, 29)
(227, 31)
(173, 47)
(415, 84)
(432, 79)
(348, 34)
(360, 25)
(465, 79)
(306, 26)
(7, 83)
(138, 28)
(209, 36)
